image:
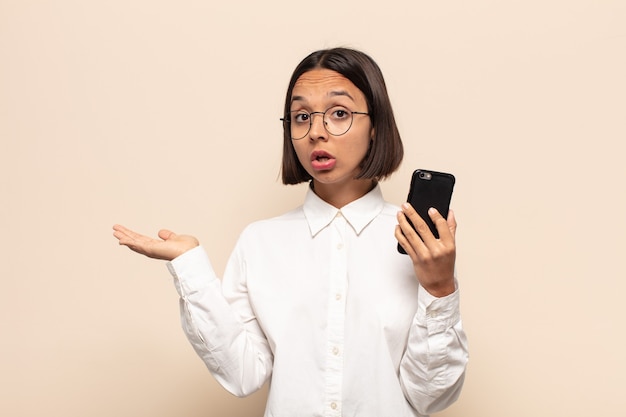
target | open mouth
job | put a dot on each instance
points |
(321, 160)
(321, 156)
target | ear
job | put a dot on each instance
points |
(372, 133)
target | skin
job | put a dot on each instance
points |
(318, 90)
(433, 259)
(315, 91)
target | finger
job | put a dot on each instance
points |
(404, 226)
(408, 237)
(124, 231)
(445, 227)
(421, 227)
(119, 230)
(402, 240)
(440, 223)
(134, 241)
(451, 223)
(166, 234)
(121, 233)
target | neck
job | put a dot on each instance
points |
(340, 195)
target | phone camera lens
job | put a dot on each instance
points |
(425, 175)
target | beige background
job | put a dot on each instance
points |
(131, 112)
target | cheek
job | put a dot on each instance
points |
(362, 140)
(361, 148)
(301, 153)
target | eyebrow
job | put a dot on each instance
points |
(336, 93)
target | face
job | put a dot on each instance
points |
(331, 160)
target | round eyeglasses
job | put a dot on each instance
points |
(337, 121)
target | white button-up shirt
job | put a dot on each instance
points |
(320, 301)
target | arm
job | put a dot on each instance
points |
(219, 322)
(222, 330)
(433, 367)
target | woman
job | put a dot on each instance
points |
(318, 300)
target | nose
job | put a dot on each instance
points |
(317, 130)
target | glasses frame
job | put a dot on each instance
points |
(287, 121)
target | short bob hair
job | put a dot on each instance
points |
(386, 150)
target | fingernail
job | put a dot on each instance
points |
(432, 210)
(405, 206)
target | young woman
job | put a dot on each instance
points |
(318, 300)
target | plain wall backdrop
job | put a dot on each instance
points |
(166, 114)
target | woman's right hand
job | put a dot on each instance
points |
(169, 246)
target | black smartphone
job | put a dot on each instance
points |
(430, 189)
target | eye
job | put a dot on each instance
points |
(339, 113)
(300, 117)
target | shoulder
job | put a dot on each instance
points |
(278, 224)
(389, 211)
(272, 235)
(390, 208)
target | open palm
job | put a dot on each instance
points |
(167, 247)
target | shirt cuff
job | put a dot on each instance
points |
(192, 271)
(438, 314)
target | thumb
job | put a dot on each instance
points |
(166, 234)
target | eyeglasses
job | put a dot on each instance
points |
(337, 121)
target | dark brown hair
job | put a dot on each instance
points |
(386, 150)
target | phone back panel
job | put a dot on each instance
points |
(430, 189)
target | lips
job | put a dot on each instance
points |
(322, 160)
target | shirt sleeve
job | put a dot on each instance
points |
(222, 329)
(432, 370)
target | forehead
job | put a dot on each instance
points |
(322, 83)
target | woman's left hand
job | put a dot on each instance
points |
(433, 259)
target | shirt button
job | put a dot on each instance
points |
(333, 405)
(335, 351)
(338, 297)
(339, 246)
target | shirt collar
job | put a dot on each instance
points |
(358, 213)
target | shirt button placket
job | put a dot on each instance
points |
(336, 316)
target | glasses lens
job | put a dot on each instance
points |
(337, 120)
(300, 123)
